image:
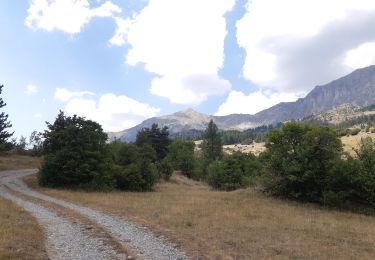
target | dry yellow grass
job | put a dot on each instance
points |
(255, 148)
(350, 143)
(237, 225)
(353, 142)
(20, 235)
(10, 162)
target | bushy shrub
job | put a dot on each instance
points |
(138, 176)
(355, 131)
(181, 155)
(135, 169)
(165, 169)
(233, 171)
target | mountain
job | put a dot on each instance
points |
(357, 89)
(183, 121)
(344, 113)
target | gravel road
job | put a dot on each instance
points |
(139, 239)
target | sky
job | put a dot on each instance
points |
(119, 62)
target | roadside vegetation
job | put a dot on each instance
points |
(20, 235)
(217, 205)
(242, 224)
(301, 162)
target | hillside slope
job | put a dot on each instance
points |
(357, 89)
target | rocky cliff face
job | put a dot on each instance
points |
(357, 88)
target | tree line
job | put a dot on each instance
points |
(301, 162)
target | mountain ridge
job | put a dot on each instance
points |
(356, 88)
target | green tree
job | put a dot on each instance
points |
(233, 171)
(211, 145)
(181, 155)
(4, 125)
(366, 169)
(299, 160)
(157, 138)
(75, 155)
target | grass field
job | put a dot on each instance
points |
(350, 143)
(236, 225)
(10, 162)
(20, 235)
(353, 142)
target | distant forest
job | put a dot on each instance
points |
(257, 134)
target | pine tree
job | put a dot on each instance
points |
(212, 146)
(156, 137)
(4, 125)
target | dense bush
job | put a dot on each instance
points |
(75, 155)
(366, 168)
(165, 169)
(306, 162)
(181, 155)
(233, 171)
(298, 160)
(137, 176)
(354, 131)
(135, 169)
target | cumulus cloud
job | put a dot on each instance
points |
(239, 103)
(114, 113)
(179, 41)
(293, 45)
(68, 16)
(362, 56)
(63, 94)
(31, 89)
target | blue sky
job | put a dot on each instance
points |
(119, 62)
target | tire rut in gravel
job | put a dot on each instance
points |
(65, 239)
(139, 239)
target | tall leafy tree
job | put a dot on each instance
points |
(4, 125)
(212, 145)
(299, 160)
(75, 154)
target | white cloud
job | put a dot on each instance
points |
(238, 102)
(68, 16)
(362, 56)
(63, 94)
(179, 41)
(114, 113)
(31, 89)
(122, 30)
(293, 45)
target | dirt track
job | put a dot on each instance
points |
(70, 238)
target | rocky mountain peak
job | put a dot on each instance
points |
(355, 89)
